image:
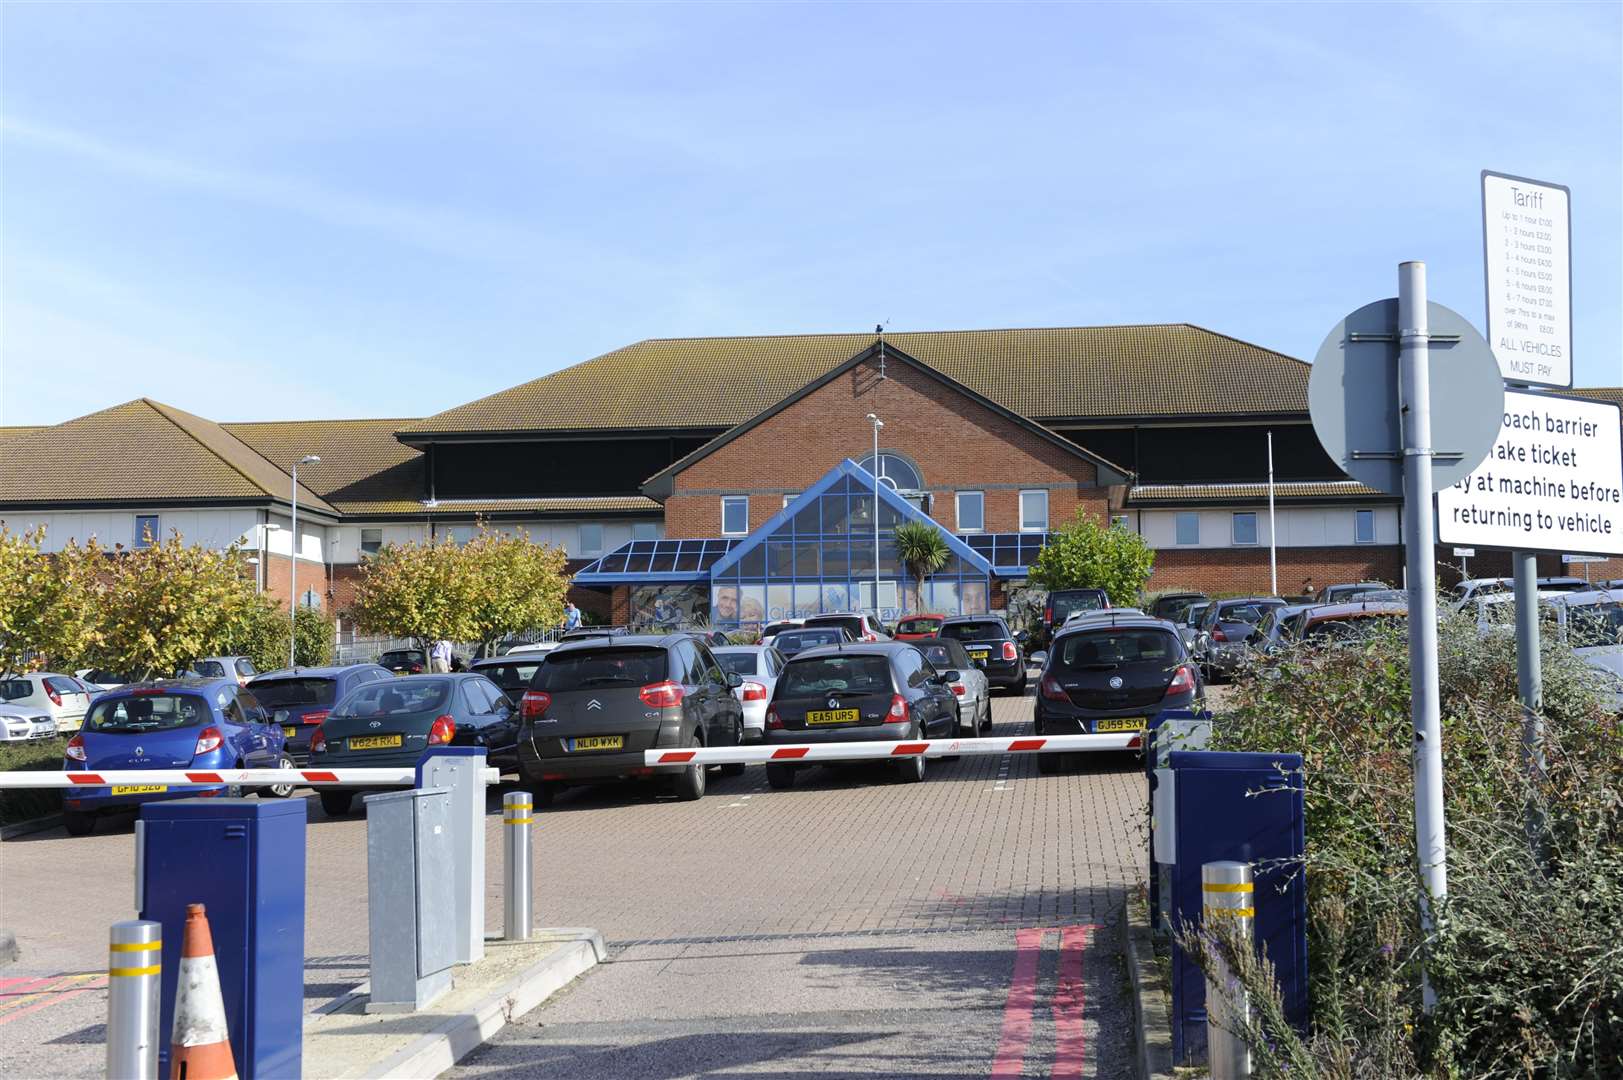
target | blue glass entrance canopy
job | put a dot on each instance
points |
(665, 561)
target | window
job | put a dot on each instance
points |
(895, 471)
(147, 530)
(1034, 511)
(791, 497)
(971, 511)
(371, 541)
(1245, 528)
(1188, 528)
(591, 540)
(1363, 526)
(310, 599)
(735, 515)
(645, 530)
(1122, 522)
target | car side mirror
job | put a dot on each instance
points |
(1022, 636)
(1039, 658)
(950, 677)
(734, 679)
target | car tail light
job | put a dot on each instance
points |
(773, 721)
(441, 730)
(661, 695)
(753, 691)
(1218, 635)
(958, 689)
(1009, 651)
(314, 717)
(51, 693)
(318, 741)
(1048, 613)
(898, 710)
(208, 739)
(415, 669)
(534, 704)
(1183, 682)
(76, 748)
(1053, 691)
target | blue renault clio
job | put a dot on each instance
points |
(192, 723)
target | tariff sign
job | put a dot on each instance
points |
(1527, 254)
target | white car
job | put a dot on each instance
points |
(20, 724)
(973, 691)
(1590, 623)
(239, 668)
(773, 629)
(1099, 615)
(538, 648)
(758, 666)
(63, 697)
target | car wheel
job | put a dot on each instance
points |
(689, 783)
(1048, 764)
(910, 770)
(1020, 687)
(78, 823)
(735, 768)
(279, 791)
(543, 792)
(780, 777)
(337, 803)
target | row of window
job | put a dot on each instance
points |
(970, 507)
(590, 537)
(1243, 528)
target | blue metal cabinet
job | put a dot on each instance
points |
(244, 860)
(1247, 807)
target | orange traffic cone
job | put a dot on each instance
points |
(201, 1049)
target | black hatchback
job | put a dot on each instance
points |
(596, 706)
(1106, 676)
(861, 692)
(991, 647)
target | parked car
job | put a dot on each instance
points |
(1189, 625)
(1102, 615)
(299, 700)
(1352, 621)
(1590, 623)
(594, 707)
(239, 668)
(1226, 629)
(799, 640)
(393, 722)
(1171, 606)
(20, 724)
(861, 626)
(1062, 602)
(535, 649)
(1280, 626)
(186, 723)
(101, 679)
(511, 672)
(590, 633)
(64, 698)
(1102, 677)
(1340, 594)
(973, 692)
(773, 629)
(863, 692)
(758, 666)
(991, 647)
(404, 661)
(915, 627)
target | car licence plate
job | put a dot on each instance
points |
(598, 742)
(373, 742)
(833, 716)
(289, 732)
(978, 654)
(1125, 723)
(139, 789)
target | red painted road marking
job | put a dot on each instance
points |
(1026, 744)
(792, 752)
(54, 997)
(6, 984)
(1011, 1048)
(1069, 1038)
(19, 988)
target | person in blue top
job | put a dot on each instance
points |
(571, 616)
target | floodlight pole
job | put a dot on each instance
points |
(293, 573)
(1273, 536)
(877, 424)
(1419, 528)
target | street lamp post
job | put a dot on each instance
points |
(293, 589)
(877, 424)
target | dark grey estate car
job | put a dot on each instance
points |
(860, 692)
(594, 707)
(991, 647)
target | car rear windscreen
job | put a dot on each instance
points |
(941, 656)
(510, 674)
(1115, 648)
(396, 698)
(148, 712)
(826, 674)
(601, 669)
(974, 631)
(1065, 603)
(292, 693)
(211, 669)
(402, 656)
(806, 639)
(917, 626)
(739, 663)
(1246, 613)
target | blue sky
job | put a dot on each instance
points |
(264, 211)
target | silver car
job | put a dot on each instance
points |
(758, 666)
(972, 690)
(63, 697)
(18, 724)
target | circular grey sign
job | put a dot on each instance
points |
(1353, 396)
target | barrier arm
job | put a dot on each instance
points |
(86, 778)
(878, 751)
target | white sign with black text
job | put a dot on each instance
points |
(1553, 482)
(1527, 249)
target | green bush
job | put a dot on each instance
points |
(1084, 554)
(22, 804)
(262, 637)
(1524, 960)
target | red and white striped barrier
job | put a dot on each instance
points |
(246, 777)
(868, 751)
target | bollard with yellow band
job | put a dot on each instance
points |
(134, 969)
(1227, 898)
(518, 813)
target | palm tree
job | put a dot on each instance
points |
(923, 550)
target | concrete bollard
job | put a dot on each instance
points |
(1226, 894)
(134, 966)
(518, 809)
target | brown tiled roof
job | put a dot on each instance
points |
(1077, 372)
(1294, 489)
(15, 430)
(140, 452)
(364, 469)
(1613, 394)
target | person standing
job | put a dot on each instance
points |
(571, 616)
(439, 657)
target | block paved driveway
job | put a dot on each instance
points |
(852, 926)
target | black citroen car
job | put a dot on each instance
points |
(1105, 676)
(860, 692)
(596, 705)
(991, 647)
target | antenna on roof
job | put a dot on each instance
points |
(880, 330)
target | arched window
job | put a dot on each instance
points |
(895, 471)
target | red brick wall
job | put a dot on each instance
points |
(1245, 570)
(312, 575)
(956, 443)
